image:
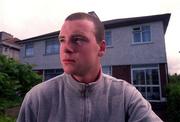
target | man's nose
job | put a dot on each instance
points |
(67, 47)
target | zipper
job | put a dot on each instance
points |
(85, 93)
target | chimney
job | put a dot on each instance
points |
(93, 14)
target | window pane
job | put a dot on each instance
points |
(142, 90)
(152, 77)
(146, 36)
(52, 47)
(138, 77)
(106, 70)
(108, 38)
(29, 49)
(155, 76)
(153, 93)
(50, 73)
(137, 37)
(29, 52)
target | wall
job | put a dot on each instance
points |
(41, 60)
(123, 52)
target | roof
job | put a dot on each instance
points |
(115, 23)
(9, 44)
(8, 40)
(38, 38)
(138, 20)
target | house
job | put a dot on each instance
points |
(135, 52)
(8, 47)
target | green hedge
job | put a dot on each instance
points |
(173, 102)
(6, 119)
(16, 78)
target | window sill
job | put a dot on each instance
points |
(142, 43)
(155, 101)
(50, 54)
(29, 56)
(109, 46)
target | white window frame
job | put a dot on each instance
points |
(141, 34)
(159, 85)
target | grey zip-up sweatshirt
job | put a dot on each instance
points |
(62, 99)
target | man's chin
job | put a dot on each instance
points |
(70, 72)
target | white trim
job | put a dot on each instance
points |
(159, 75)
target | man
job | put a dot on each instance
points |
(83, 93)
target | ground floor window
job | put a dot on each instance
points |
(50, 73)
(147, 80)
(107, 70)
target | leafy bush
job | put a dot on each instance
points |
(173, 100)
(6, 119)
(15, 78)
(174, 78)
(5, 103)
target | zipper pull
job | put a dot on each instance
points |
(83, 91)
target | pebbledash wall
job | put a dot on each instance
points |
(135, 52)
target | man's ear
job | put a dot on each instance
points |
(102, 48)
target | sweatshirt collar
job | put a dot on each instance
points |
(78, 86)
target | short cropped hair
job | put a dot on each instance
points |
(98, 25)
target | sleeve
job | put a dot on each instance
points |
(27, 112)
(138, 109)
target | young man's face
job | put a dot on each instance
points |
(79, 51)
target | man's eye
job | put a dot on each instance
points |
(78, 41)
(61, 40)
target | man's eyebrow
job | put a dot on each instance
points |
(72, 36)
(78, 35)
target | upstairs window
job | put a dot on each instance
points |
(108, 38)
(52, 47)
(142, 34)
(29, 49)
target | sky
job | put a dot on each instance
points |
(29, 18)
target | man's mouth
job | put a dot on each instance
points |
(68, 61)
